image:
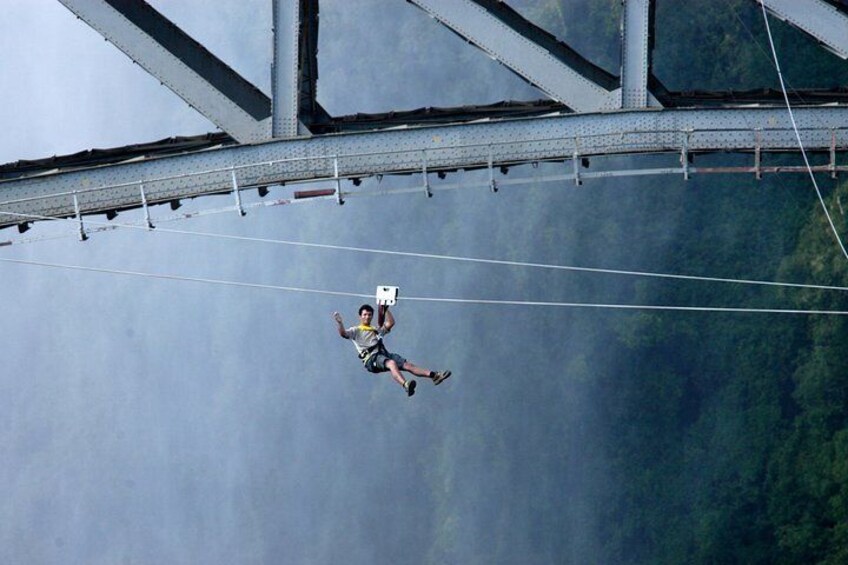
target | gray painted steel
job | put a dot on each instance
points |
(405, 150)
(819, 19)
(526, 58)
(240, 118)
(285, 99)
(635, 29)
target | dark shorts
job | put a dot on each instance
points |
(377, 362)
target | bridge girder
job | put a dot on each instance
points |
(423, 150)
(247, 114)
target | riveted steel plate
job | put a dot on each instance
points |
(447, 147)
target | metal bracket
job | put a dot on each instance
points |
(82, 235)
(239, 207)
(758, 174)
(833, 174)
(575, 161)
(150, 225)
(339, 198)
(493, 184)
(427, 190)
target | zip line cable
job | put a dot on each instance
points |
(106, 226)
(592, 305)
(489, 261)
(183, 278)
(456, 258)
(797, 134)
(110, 225)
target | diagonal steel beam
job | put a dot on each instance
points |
(450, 147)
(180, 63)
(478, 21)
(816, 17)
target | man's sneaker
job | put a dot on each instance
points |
(441, 376)
(409, 387)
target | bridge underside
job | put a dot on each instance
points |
(420, 117)
(425, 150)
(290, 139)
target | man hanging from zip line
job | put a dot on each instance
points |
(368, 341)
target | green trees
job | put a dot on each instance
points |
(590, 436)
(807, 480)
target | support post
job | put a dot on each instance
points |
(635, 54)
(833, 174)
(285, 75)
(237, 194)
(493, 184)
(758, 174)
(427, 190)
(575, 161)
(146, 208)
(82, 235)
(339, 198)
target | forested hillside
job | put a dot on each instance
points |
(661, 437)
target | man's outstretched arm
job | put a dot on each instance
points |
(339, 324)
(390, 321)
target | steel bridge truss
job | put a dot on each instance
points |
(273, 142)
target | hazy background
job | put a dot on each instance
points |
(149, 421)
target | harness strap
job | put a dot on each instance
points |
(365, 354)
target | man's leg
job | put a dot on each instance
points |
(408, 386)
(395, 371)
(418, 371)
(437, 377)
